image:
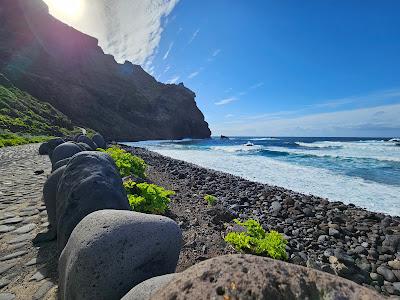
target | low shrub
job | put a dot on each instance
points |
(147, 198)
(256, 241)
(23, 114)
(127, 163)
(211, 200)
(12, 139)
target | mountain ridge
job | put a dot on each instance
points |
(60, 65)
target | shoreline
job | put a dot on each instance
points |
(338, 238)
(359, 172)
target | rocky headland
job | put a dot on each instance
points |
(59, 65)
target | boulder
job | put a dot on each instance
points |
(99, 140)
(60, 163)
(50, 194)
(53, 143)
(64, 150)
(44, 148)
(90, 182)
(255, 277)
(144, 290)
(110, 251)
(76, 137)
(88, 141)
(49, 146)
(84, 146)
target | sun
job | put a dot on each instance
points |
(67, 10)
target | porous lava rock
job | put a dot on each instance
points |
(60, 163)
(50, 195)
(110, 251)
(99, 140)
(254, 277)
(89, 183)
(64, 150)
(144, 290)
(49, 146)
(87, 141)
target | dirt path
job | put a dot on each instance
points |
(27, 270)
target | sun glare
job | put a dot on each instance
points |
(66, 9)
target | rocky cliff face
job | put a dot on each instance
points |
(60, 65)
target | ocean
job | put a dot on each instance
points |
(362, 171)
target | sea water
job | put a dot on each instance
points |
(365, 172)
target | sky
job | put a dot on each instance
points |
(266, 68)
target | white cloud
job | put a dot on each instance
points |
(371, 99)
(229, 116)
(128, 29)
(226, 101)
(373, 114)
(166, 69)
(169, 49)
(173, 79)
(194, 36)
(194, 74)
(257, 85)
(372, 121)
(216, 52)
(375, 96)
(150, 70)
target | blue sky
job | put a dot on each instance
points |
(306, 68)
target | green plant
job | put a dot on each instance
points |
(147, 198)
(12, 139)
(127, 163)
(256, 241)
(211, 200)
(25, 119)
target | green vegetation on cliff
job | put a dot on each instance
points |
(12, 139)
(25, 119)
(22, 113)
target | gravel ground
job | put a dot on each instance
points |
(333, 237)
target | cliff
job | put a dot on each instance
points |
(60, 65)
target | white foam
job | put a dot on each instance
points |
(379, 150)
(316, 145)
(237, 148)
(265, 139)
(309, 180)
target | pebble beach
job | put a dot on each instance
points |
(340, 239)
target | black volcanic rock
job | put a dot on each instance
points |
(60, 65)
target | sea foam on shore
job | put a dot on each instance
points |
(358, 172)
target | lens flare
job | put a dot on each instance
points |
(66, 10)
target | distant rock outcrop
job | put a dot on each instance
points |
(60, 65)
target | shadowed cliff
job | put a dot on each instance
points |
(60, 65)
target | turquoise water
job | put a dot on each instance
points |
(365, 172)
